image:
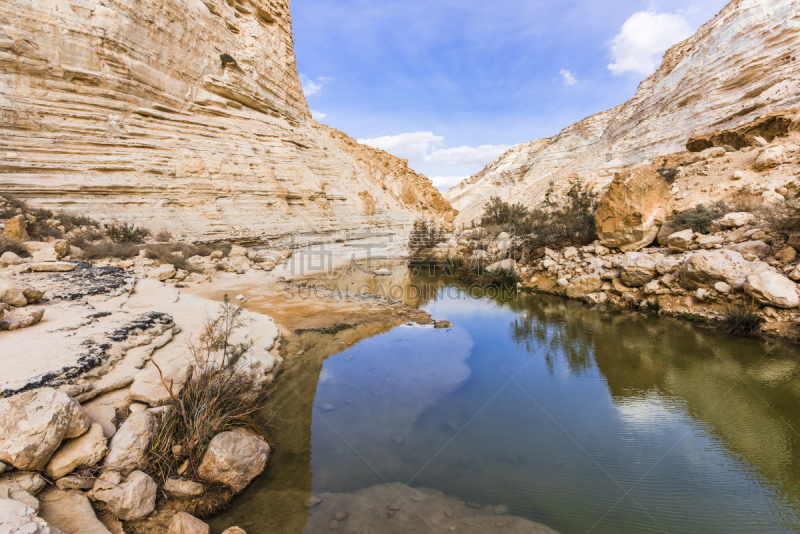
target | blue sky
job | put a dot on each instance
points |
(450, 84)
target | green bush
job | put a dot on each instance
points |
(565, 222)
(425, 235)
(741, 320)
(476, 275)
(126, 233)
(500, 213)
(700, 217)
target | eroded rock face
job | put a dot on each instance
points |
(33, 425)
(633, 210)
(242, 154)
(127, 450)
(704, 83)
(234, 459)
(772, 289)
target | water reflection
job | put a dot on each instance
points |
(580, 420)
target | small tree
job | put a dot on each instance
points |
(498, 213)
(425, 236)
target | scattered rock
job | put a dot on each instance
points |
(234, 459)
(78, 482)
(582, 286)
(772, 289)
(12, 294)
(21, 318)
(163, 272)
(70, 512)
(33, 425)
(52, 267)
(505, 265)
(736, 220)
(61, 247)
(78, 453)
(637, 269)
(707, 267)
(130, 500)
(16, 517)
(234, 530)
(128, 448)
(9, 258)
(708, 242)
(183, 523)
(754, 248)
(634, 208)
(787, 255)
(183, 487)
(769, 158)
(28, 481)
(680, 241)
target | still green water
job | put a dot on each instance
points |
(580, 420)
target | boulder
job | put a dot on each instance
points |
(16, 229)
(70, 511)
(183, 487)
(12, 487)
(127, 450)
(28, 481)
(78, 453)
(17, 518)
(787, 255)
(667, 264)
(43, 253)
(237, 264)
(237, 252)
(78, 482)
(633, 209)
(148, 387)
(736, 220)
(755, 248)
(582, 286)
(33, 425)
(772, 289)
(61, 247)
(130, 500)
(234, 530)
(163, 272)
(21, 318)
(637, 269)
(183, 523)
(11, 293)
(705, 268)
(234, 459)
(680, 241)
(769, 158)
(708, 242)
(52, 267)
(9, 258)
(32, 295)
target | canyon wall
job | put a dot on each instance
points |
(742, 64)
(186, 115)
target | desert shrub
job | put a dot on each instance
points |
(500, 213)
(164, 236)
(741, 320)
(564, 222)
(105, 248)
(782, 218)
(700, 217)
(8, 245)
(425, 235)
(219, 396)
(71, 221)
(126, 233)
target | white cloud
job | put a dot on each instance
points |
(443, 183)
(318, 115)
(644, 38)
(313, 86)
(424, 147)
(569, 77)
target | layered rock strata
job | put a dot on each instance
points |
(183, 115)
(741, 64)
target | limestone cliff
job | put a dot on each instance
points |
(741, 64)
(183, 114)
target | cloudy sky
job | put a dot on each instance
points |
(451, 84)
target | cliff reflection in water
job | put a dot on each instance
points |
(746, 392)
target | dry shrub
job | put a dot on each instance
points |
(178, 254)
(700, 217)
(219, 396)
(126, 233)
(8, 245)
(741, 320)
(164, 236)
